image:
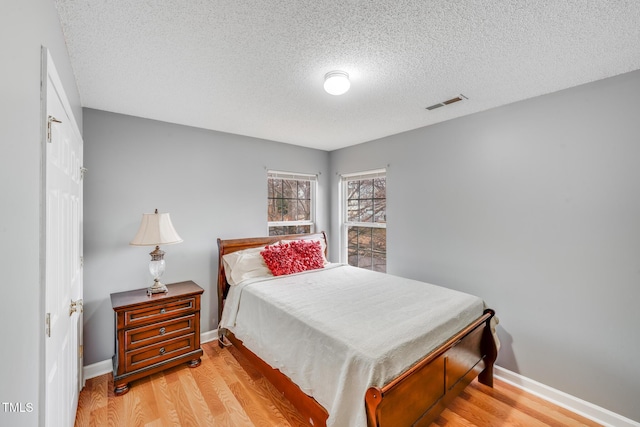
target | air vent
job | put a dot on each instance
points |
(447, 102)
(433, 107)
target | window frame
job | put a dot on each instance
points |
(345, 224)
(313, 191)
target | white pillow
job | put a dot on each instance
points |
(245, 264)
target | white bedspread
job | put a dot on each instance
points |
(337, 331)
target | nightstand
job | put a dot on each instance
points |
(155, 332)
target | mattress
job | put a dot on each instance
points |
(339, 330)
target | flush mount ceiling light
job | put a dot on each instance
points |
(336, 82)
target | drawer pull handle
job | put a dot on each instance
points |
(163, 311)
(162, 350)
(162, 331)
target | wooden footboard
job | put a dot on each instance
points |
(416, 397)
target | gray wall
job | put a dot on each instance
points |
(214, 185)
(534, 206)
(25, 26)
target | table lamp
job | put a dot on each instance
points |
(155, 230)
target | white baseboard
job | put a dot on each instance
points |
(572, 403)
(209, 336)
(97, 369)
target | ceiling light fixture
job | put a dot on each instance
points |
(336, 82)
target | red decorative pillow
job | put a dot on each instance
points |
(293, 257)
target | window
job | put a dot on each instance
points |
(364, 231)
(291, 203)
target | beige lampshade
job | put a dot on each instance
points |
(156, 229)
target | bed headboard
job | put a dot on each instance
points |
(227, 246)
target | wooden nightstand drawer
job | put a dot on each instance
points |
(155, 332)
(164, 350)
(155, 313)
(150, 334)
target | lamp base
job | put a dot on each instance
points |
(157, 288)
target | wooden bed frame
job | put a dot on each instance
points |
(415, 397)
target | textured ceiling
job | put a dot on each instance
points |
(256, 68)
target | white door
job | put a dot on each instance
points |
(63, 252)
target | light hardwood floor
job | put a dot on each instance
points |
(226, 391)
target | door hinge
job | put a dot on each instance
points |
(81, 262)
(81, 351)
(50, 119)
(76, 306)
(83, 172)
(47, 324)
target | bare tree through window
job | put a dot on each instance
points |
(365, 200)
(290, 199)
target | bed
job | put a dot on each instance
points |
(348, 346)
